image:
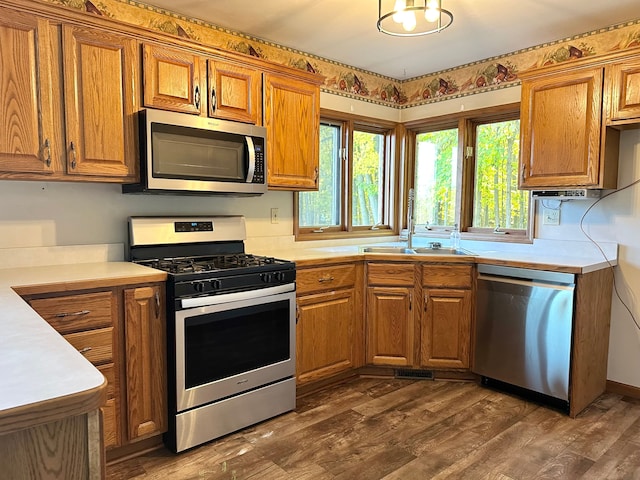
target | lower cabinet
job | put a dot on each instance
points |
(391, 325)
(329, 321)
(121, 330)
(145, 357)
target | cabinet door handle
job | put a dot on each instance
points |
(157, 304)
(214, 103)
(426, 302)
(326, 279)
(72, 314)
(74, 155)
(46, 150)
(196, 96)
(410, 301)
(85, 350)
(315, 177)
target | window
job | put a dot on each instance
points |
(465, 172)
(353, 197)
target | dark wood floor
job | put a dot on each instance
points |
(397, 429)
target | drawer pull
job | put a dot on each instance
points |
(326, 279)
(85, 350)
(73, 314)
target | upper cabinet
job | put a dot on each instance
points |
(292, 119)
(623, 86)
(561, 131)
(189, 82)
(27, 143)
(235, 92)
(171, 79)
(100, 79)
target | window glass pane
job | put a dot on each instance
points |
(497, 200)
(368, 168)
(322, 208)
(436, 177)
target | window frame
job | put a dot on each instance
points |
(350, 123)
(466, 123)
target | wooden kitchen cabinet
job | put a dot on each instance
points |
(622, 83)
(446, 321)
(390, 314)
(292, 120)
(328, 321)
(172, 79)
(100, 78)
(89, 321)
(121, 330)
(145, 357)
(235, 92)
(27, 142)
(562, 140)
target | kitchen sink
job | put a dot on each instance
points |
(417, 251)
(442, 251)
(397, 250)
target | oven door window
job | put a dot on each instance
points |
(194, 154)
(229, 342)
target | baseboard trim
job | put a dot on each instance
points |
(623, 389)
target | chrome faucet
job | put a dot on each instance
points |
(410, 218)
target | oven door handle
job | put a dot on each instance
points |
(236, 296)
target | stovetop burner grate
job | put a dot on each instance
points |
(194, 264)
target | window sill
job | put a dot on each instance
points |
(334, 235)
(479, 236)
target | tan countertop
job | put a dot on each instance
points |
(42, 377)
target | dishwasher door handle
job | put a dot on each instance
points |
(527, 283)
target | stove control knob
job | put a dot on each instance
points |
(266, 277)
(199, 286)
(216, 284)
(279, 276)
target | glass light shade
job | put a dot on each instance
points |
(410, 18)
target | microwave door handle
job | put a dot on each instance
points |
(251, 153)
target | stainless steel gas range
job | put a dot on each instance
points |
(230, 325)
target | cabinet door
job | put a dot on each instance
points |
(324, 334)
(235, 92)
(145, 358)
(623, 81)
(390, 326)
(560, 130)
(292, 119)
(171, 79)
(100, 77)
(446, 328)
(26, 110)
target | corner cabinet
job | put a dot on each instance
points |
(328, 321)
(446, 322)
(292, 119)
(390, 314)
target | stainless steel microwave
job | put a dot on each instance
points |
(181, 153)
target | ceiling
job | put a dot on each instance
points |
(346, 31)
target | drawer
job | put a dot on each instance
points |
(447, 276)
(109, 372)
(95, 345)
(325, 278)
(110, 424)
(392, 274)
(76, 312)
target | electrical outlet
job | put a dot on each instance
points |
(274, 215)
(550, 216)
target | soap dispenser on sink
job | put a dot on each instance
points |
(455, 238)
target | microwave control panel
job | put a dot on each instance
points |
(258, 173)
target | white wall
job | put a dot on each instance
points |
(57, 214)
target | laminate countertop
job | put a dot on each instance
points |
(42, 377)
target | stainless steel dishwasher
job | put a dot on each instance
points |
(524, 321)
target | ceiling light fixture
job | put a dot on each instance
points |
(411, 18)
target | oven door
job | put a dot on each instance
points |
(234, 346)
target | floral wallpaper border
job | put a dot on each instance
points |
(340, 79)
